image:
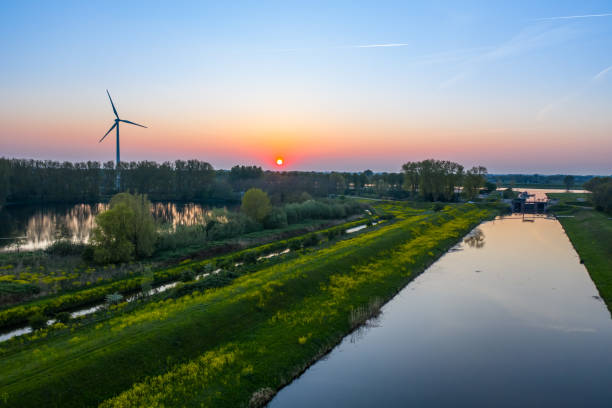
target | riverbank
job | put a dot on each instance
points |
(590, 232)
(226, 346)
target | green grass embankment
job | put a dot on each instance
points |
(219, 347)
(590, 232)
(19, 314)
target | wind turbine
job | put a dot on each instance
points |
(116, 125)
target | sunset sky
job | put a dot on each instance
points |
(514, 86)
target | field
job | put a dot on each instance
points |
(591, 234)
(236, 344)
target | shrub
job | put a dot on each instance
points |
(37, 321)
(250, 257)
(311, 240)
(63, 317)
(438, 207)
(295, 244)
(187, 275)
(276, 219)
(256, 204)
(64, 247)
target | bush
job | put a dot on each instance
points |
(250, 257)
(64, 247)
(311, 209)
(188, 275)
(331, 234)
(276, 219)
(63, 317)
(37, 321)
(438, 207)
(311, 240)
(295, 244)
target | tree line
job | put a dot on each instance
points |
(47, 181)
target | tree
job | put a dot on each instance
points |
(433, 179)
(601, 187)
(125, 230)
(569, 182)
(473, 181)
(256, 204)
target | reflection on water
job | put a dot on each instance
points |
(37, 227)
(475, 239)
(540, 193)
(512, 323)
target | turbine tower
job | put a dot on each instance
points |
(116, 125)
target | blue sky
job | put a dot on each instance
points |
(515, 86)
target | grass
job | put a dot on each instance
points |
(590, 232)
(232, 345)
(19, 314)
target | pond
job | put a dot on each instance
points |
(37, 227)
(509, 317)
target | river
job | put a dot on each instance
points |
(508, 318)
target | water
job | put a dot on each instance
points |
(37, 227)
(508, 318)
(540, 193)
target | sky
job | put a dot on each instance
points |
(521, 86)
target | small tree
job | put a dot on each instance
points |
(256, 204)
(125, 230)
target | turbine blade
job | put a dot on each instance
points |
(112, 104)
(131, 123)
(109, 130)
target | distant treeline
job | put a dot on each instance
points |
(46, 181)
(520, 179)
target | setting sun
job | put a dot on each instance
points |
(279, 161)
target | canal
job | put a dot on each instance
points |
(509, 317)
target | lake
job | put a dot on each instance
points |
(507, 318)
(37, 227)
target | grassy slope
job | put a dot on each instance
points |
(18, 314)
(591, 234)
(218, 347)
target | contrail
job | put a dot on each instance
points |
(573, 17)
(377, 45)
(602, 73)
